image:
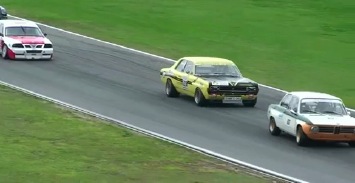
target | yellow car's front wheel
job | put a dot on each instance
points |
(249, 103)
(200, 99)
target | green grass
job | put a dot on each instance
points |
(41, 142)
(294, 45)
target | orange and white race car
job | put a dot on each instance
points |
(312, 116)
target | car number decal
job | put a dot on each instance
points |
(184, 82)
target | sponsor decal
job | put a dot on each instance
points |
(245, 84)
(220, 83)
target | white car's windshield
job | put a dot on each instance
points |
(322, 106)
(23, 31)
(217, 70)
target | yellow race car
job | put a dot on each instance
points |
(209, 79)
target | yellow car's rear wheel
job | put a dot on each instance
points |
(170, 90)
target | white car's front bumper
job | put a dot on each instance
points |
(38, 53)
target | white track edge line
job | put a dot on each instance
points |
(157, 135)
(131, 49)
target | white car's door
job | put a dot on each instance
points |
(282, 116)
(278, 116)
(289, 124)
(290, 120)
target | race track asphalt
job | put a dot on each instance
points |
(125, 85)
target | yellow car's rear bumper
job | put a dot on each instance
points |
(221, 97)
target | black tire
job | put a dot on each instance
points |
(2, 54)
(249, 103)
(49, 59)
(301, 137)
(170, 90)
(199, 99)
(351, 144)
(273, 129)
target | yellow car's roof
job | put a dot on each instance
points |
(209, 60)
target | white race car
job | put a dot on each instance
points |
(20, 39)
(312, 116)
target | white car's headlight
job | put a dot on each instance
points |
(314, 129)
(16, 45)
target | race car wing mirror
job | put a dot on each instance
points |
(293, 111)
(45, 34)
(349, 113)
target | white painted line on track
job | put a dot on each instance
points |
(131, 49)
(156, 135)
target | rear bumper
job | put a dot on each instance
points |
(221, 97)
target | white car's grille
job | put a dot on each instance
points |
(33, 51)
(326, 129)
(336, 129)
(347, 130)
(33, 45)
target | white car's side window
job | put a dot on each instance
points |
(294, 103)
(285, 102)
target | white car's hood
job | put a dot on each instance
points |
(26, 40)
(320, 119)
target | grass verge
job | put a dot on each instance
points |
(294, 45)
(41, 142)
